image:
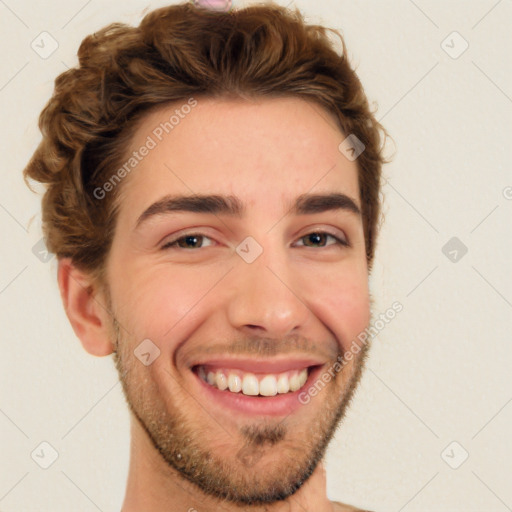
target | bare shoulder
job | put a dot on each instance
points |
(343, 507)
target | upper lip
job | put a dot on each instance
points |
(260, 365)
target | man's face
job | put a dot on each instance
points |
(260, 313)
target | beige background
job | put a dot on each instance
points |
(438, 373)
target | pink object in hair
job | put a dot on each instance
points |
(214, 5)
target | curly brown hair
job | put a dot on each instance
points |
(177, 52)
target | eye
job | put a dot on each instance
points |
(316, 238)
(190, 241)
(196, 241)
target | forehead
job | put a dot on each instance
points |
(265, 149)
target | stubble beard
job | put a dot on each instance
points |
(268, 462)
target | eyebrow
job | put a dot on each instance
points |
(232, 205)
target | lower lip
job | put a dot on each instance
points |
(278, 405)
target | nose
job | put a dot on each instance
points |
(265, 298)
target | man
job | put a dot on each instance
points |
(212, 198)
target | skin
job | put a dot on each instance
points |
(295, 299)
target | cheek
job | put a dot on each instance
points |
(158, 304)
(342, 303)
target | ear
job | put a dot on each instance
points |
(86, 308)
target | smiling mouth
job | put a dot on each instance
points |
(253, 384)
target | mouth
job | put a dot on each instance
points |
(252, 384)
(264, 388)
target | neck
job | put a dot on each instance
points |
(154, 486)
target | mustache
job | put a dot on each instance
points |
(270, 347)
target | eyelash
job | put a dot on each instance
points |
(174, 243)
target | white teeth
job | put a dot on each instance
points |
(248, 383)
(303, 377)
(283, 384)
(221, 381)
(294, 381)
(234, 383)
(268, 386)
